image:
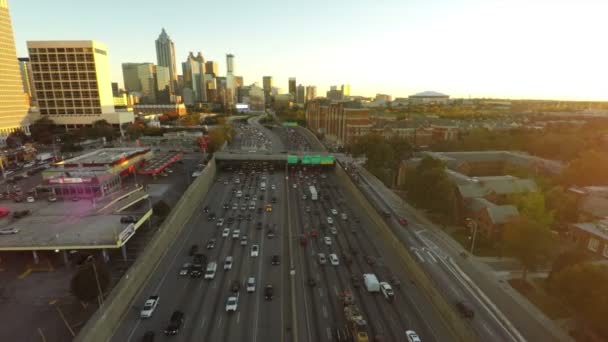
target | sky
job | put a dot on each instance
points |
(529, 49)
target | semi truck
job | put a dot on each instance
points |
(313, 193)
(356, 326)
(371, 282)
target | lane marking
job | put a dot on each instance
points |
(219, 322)
(238, 317)
(203, 321)
(431, 256)
(320, 292)
(328, 330)
(324, 311)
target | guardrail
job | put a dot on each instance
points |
(452, 320)
(107, 318)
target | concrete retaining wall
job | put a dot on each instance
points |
(105, 321)
(460, 330)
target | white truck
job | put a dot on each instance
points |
(313, 193)
(371, 282)
(44, 157)
(149, 307)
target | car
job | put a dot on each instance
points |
(249, 217)
(273, 200)
(355, 280)
(258, 225)
(129, 219)
(220, 222)
(228, 263)
(275, 260)
(333, 230)
(30, 199)
(226, 232)
(239, 194)
(230, 220)
(307, 209)
(412, 336)
(239, 217)
(226, 205)
(149, 307)
(148, 336)
(199, 258)
(210, 271)
(235, 286)
(304, 197)
(465, 309)
(206, 209)
(314, 233)
(312, 281)
(321, 258)
(295, 186)
(185, 269)
(369, 259)
(193, 249)
(327, 240)
(273, 187)
(268, 292)
(52, 198)
(334, 211)
(387, 291)
(244, 240)
(255, 250)
(403, 221)
(250, 284)
(175, 323)
(330, 220)
(211, 244)
(268, 208)
(235, 206)
(344, 217)
(211, 217)
(270, 233)
(232, 304)
(9, 231)
(236, 233)
(333, 259)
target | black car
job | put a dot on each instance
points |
(211, 244)
(193, 249)
(270, 233)
(206, 209)
(276, 260)
(226, 206)
(211, 217)
(465, 309)
(148, 337)
(175, 323)
(236, 286)
(274, 200)
(260, 210)
(230, 220)
(355, 280)
(261, 197)
(312, 281)
(249, 217)
(268, 292)
(128, 219)
(199, 258)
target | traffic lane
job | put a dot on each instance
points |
(165, 275)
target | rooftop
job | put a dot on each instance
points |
(106, 155)
(598, 229)
(429, 93)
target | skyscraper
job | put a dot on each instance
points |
(346, 90)
(13, 104)
(300, 94)
(230, 81)
(211, 68)
(267, 86)
(229, 63)
(193, 70)
(25, 68)
(165, 56)
(311, 93)
(72, 82)
(292, 87)
(141, 78)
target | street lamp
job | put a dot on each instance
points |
(472, 224)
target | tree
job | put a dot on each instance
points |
(402, 150)
(563, 204)
(161, 209)
(88, 279)
(16, 139)
(192, 119)
(529, 241)
(42, 131)
(568, 258)
(581, 287)
(588, 169)
(532, 206)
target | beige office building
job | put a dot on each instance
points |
(13, 101)
(72, 83)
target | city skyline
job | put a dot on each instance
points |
(412, 46)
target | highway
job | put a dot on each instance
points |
(318, 309)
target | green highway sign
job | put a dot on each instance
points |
(292, 159)
(290, 124)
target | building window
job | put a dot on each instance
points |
(593, 244)
(605, 252)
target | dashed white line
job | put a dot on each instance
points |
(203, 321)
(324, 311)
(328, 334)
(335, 290)
(238, 317)
(431, 256)
(320, 292)
(219, 322)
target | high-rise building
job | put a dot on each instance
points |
(193, 70)
(300, 94)
(335, 94)
(229, 63)
(165, 56)
(311, 93)
(115, 89)
(292, 87)
(267, 87)
(25, 68)
(346, 90)
(140, 80)
(238, 81)
(13, 102)
(230, 92)
(212, 68)
(163, 85)
(72, 82)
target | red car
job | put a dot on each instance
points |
(314, 233)
(303, 240)
(403, 221)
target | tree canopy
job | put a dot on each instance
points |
(529, 241)
(588, 169)
(84, 283)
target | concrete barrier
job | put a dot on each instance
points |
(460, 330)
(101, 326)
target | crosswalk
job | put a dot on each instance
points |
(424, 254)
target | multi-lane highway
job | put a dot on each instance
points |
(303, 285)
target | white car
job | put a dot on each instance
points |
(244, 240)
(295, 186)
(330, 220)
(273, 187)
(327, 240)
(251, 284)
(239, 194)
(236, 233)
(322, 259)
(387, 291)
(149, 307)
(255, 250)
(333, 230)
(9, 231)
(232, 304)
(412, 336)
(334, 212)
(220, 222)
(226, 232)
(333, 259)
(228, 263)
(235, 206)
(30, 199)
(185, 269)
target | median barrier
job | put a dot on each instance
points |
(460, 330)
(107, 318)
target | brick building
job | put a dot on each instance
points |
(339, 122)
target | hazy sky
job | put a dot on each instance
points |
(483, 48)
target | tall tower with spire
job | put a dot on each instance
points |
(165, 56)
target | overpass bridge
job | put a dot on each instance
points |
(227, 159)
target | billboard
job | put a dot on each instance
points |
(242, 107)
